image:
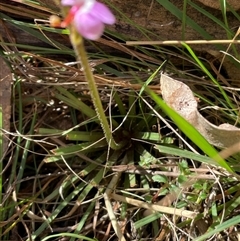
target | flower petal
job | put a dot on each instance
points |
(88, 26)
(75, 2)
(68, 2)
(103, 13)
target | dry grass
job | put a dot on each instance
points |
(61, 181)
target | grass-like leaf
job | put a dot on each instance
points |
(190, 132)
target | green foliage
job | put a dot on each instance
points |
(62, 170)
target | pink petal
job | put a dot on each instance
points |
(75, 2)
(102, 12)
(68, 2)
(88, 26)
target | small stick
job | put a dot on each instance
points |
(178, 42)
(154, 207)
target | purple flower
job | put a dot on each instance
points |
(89, 17)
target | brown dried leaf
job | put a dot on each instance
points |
(235, 4)
(180, 98)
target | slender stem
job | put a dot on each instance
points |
(77, 43)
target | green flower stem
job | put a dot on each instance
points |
(77, 42)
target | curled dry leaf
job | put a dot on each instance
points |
(180, 98)
(235, 4)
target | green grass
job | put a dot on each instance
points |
(61, 178)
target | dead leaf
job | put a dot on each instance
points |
(180, 98)
(235, 4)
